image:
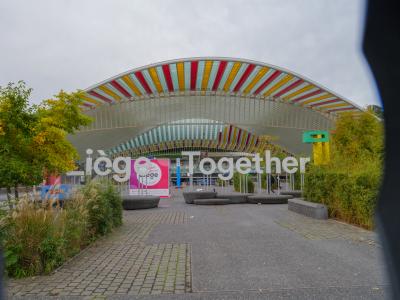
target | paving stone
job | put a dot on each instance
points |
(120, 263)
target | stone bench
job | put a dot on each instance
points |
(191, 196)
(268, 199)
(234, 198)
(294, 193)
(309, 209)
(139, 202)
(212, 201)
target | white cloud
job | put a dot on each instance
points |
(74, 44)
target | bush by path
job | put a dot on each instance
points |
(38, 238)
(350, 182)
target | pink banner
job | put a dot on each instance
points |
(152, 180)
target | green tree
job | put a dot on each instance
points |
(357, 141)
(17, 119)
(56, 118)
(349, 184)
(33, 139)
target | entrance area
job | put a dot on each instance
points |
(180, 251)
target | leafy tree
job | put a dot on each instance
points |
(349, 184)
(17, 119)
(57, 118)
(33, 139)
(357, 141)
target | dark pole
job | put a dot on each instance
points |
(381, 46)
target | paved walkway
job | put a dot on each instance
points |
(181, 251)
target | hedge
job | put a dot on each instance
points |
(350, 196)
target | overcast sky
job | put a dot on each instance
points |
(56, 44)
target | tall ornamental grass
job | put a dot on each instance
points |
(38, 237)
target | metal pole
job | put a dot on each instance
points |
(269, 184)
(286, 182)
(278, 179)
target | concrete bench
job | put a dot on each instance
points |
(268, 199)
(191, 196)
(212, 201)
(234, 198)
(139, 202)
(294, 193)
(309, 209)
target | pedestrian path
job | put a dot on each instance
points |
(181, 251)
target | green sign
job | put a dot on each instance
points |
(315, 136)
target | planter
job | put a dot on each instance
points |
(269, 199)
(212, 201)
(294, 193)
(235, 198)
(191, 196)
(140, 202)
(309, 209)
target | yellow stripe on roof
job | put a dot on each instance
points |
(335, 105)
(130, 83)
(317, 99)
(154, 77)
(284, 80)
(244, 138)
(109, 92)
(298, 92)
(232, 75)
(234, 136)
(91, 100)
(206, 74)
(257, 78)
(181, 75)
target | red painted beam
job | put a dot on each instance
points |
(245, 75)
(268, 81)
(220, 72)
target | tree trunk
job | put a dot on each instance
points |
(16, 192)
(9, 198)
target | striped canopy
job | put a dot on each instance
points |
(220, 76)
(194, 133)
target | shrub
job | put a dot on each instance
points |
(115, 201)
(99, 209)
(104, 207)
(238, 182)
(349, 184)
(33, 239)
(76, 230)
(39, 238)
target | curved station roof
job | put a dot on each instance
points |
(199, 134)
(219, 75)
(137, 110)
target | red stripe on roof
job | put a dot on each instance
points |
(120, 89)
(193, 74)
(168, 79)
(245, 75)
(93, 93)
(288, 88)
(219, 138)
(247, 140)
(238, 139)
(220, 72)
(267, 81)
(307, 95)
(229, 134)
(325, 102)
(87, 105)
(143, 82)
